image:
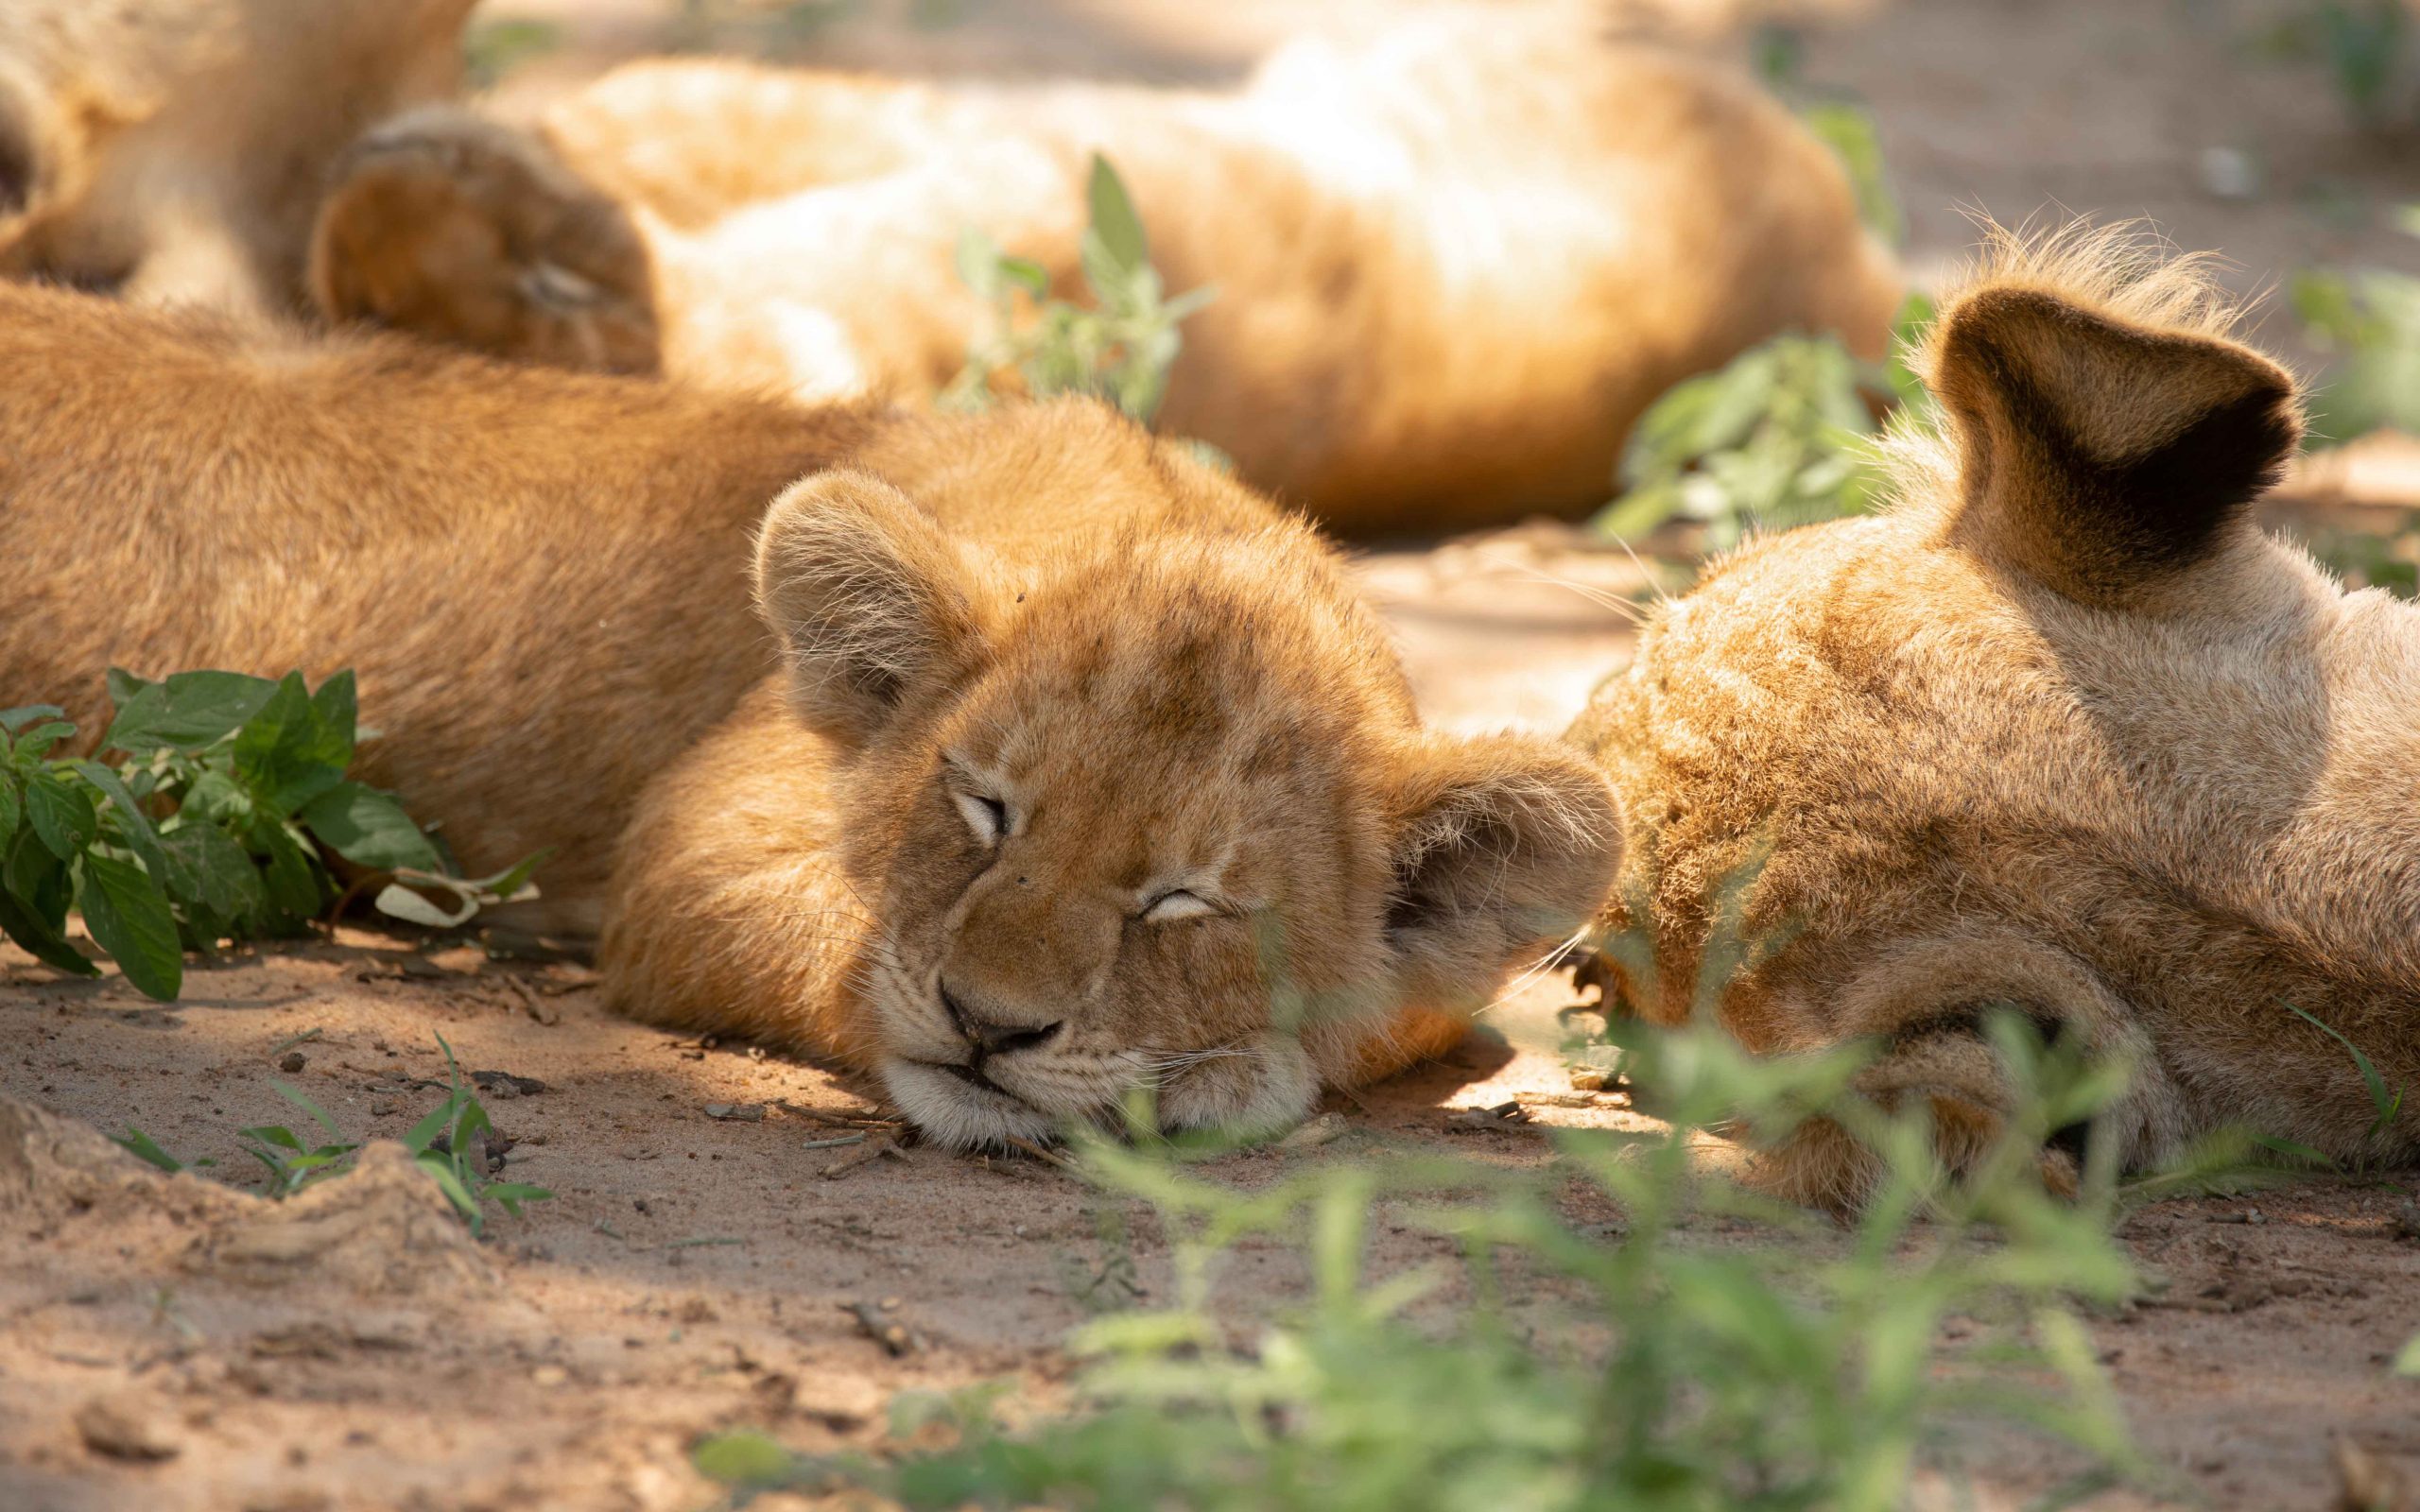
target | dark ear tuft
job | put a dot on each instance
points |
(2096, 454)
(1506, 843)
(875, 606)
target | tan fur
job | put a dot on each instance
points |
(177, 149)
(541, 578)
(2061, 731)
(1453, 265)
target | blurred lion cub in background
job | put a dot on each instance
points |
(176, 150)
(1453, 265)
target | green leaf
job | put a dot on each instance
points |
(511, 879)
(61, 816)
(1026, 274)
(186, 712)
(745, 1459)
(339, 707)
(292, 876)
(368, 828)
(35, 744)
(38, 879)
(513, 1193)
(127, 914)
(1114, 219)
(12, 808)
(13, 720)
(218, 874)
(145, 1148)
(277, 1134)
(319, 1114)
(284, 755)
(2408, 1361)
(133, 823)
(447, 1181)
(2384, 1104)
(417, 1138)
(979, 262)
(2296, 1151)
(215, 798)
(22, 924)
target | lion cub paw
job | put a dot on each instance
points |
(465, 230)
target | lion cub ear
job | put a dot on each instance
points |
(1506, 843)
(875, 606)
(2098, 454)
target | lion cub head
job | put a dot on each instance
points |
(1138, 801)
(2063, 732)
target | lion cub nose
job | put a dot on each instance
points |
(989, 1037)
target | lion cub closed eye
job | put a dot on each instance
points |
(2061, 731)
(1090, 774)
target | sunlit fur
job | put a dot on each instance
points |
(176, 150)
(2046, 736)
(1163, 684)
(541, 579)
(1454, 262)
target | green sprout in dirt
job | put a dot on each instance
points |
(215, 820)
(1119, 349)
(1782, 436)
(450, 1144)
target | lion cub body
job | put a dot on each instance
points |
(2062, 733)
(1452, 265)
(1228, 865)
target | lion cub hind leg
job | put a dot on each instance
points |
(1927, 1005)
(469, 231)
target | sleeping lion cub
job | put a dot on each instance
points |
(1072, 767)
(2062, 732)
(1452, 264)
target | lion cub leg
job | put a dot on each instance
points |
(468, 230)
(1928, 1005)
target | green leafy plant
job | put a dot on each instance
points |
(1849, 131)
(1557, 1362)
(215, 820)
(1120, 349)
(451, 1145)
(290, 1164)
(1782, 436)
(2369, 323)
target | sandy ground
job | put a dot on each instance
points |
(170, 1343)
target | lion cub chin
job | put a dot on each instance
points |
(1091, 778)
(2062, 733)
